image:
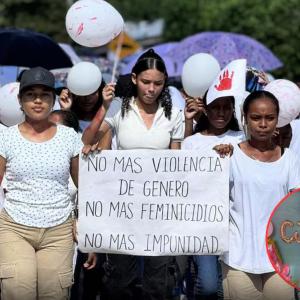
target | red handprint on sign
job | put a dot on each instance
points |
(225, 81)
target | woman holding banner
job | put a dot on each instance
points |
(145, 119)
(36, 224)
(217, 126)
(261, 174)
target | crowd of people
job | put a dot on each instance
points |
(39, 160)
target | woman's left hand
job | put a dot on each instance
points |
(91, 261)
(224, 149)
(75, 230)
(193, 107)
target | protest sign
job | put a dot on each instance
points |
(154, 202)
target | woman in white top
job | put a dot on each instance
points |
(37, 157)
(217, 126)
(146, 119)
(262, 173)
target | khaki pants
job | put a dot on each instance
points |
(35, 263)
(239, 285)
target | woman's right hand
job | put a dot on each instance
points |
(91, 261)
(224, 149)
(65, 99)
(89, 149)
(108, 93)
(193, 107)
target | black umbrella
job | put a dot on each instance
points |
(20, 47)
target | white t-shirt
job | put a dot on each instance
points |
(37, 176)
(199, 141)
(132, 133)
(255, 189)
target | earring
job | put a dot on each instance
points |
(243, 120)
(245, 128)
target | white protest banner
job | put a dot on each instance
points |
(154, 202)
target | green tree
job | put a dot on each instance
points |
(47, 16)
(136, 10)
(275, 23)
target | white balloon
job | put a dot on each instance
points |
(84, 78)
(288, 95)
(198, 73)
(10, 110)
(93, 23)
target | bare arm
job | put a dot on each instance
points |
(74, 169)
(175, 145)
(105, 139)
(91, 134)
(2, 168)
(188, 129)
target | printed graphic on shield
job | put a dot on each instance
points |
(283, 238)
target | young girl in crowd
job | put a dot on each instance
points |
(216, 126)
(37, 157)
(261, 174)
(84, 107)
(65, 117)
(146, 119)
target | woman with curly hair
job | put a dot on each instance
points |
(143, 119)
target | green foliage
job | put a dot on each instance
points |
(136, 10)
(275, 23)
(47, 16)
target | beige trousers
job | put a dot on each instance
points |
(239, 285)
(35, 263)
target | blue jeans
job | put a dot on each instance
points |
(208, 281)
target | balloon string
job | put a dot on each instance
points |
(117, 55)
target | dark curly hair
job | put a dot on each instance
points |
(148, 60)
